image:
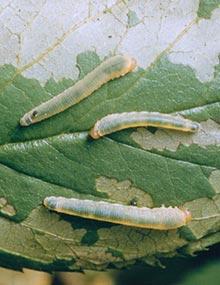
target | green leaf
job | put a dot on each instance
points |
(151, 166)
(206, 7)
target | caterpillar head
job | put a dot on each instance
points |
(28, 118)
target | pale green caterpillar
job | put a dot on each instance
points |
(111, 68)
(163, 218)
(119, 121)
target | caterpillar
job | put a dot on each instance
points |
(111, 68)
(163, 218)
(119, 121)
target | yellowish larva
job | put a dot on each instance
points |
(111, 68)
(119, 121)
(163, 218)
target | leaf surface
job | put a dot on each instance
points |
(178, 72)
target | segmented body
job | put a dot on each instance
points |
(111, 68)
(163, 218)
(119, 121)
